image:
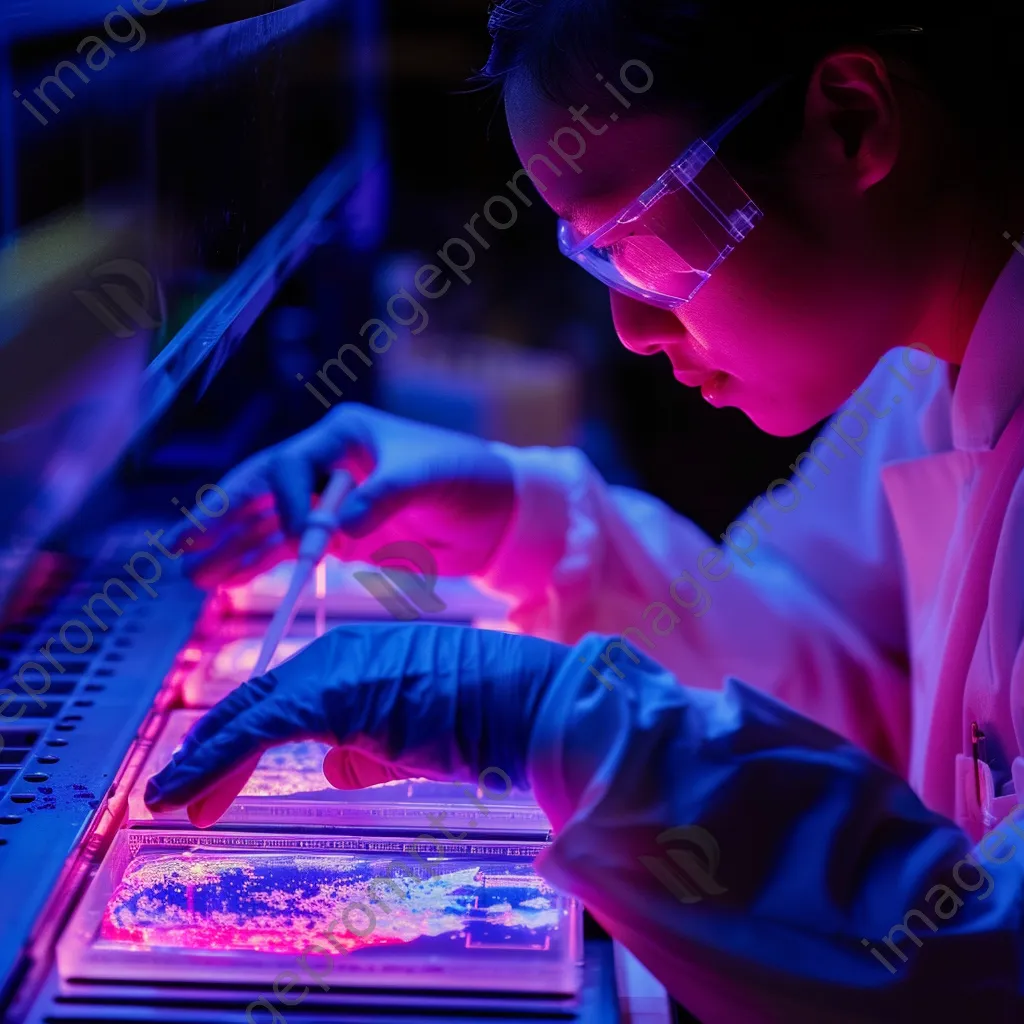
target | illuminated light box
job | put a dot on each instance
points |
(224, 669)
(289, 788)
(236, 908)
(344, 595)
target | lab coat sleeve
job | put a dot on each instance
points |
(753, 860)
(804, 601)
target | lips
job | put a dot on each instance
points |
(685, 368)
(713, 390)
(712, 383)
(693, 378)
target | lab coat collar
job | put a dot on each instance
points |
(990, 386)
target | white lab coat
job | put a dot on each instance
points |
(885, 608)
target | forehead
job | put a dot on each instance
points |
(619, 157)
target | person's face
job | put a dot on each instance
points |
(797, 315)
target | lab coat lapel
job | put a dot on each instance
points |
(990, 387)
(950, 509)
(928, 501)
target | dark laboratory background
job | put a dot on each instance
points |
(197, 150)
(451, 152)
(191, 225)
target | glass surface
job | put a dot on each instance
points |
(234, 907)
(344, 595)
(289, 788)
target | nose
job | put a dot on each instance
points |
(641, 328)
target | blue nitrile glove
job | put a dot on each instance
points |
(450, 492)
(419, 699)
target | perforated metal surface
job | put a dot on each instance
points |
(62, 752)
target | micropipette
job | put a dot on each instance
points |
(320, 524)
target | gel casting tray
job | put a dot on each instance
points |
(289, 789)
(240, 908)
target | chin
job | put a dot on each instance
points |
(779, 419)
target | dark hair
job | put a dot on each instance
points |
(709, 56)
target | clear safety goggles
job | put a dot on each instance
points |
(663, 246)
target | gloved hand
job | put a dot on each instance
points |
(400, 700)
(448, 491)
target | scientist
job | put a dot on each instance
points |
(834, 181)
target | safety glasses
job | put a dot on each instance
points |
(662, 248)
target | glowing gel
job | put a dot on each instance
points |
(273, 903)
(240, 907)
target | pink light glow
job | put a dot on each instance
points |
(235, 661)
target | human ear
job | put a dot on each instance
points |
(851, 117)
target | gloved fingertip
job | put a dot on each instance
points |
(209, 808)
(334, 769)
(173, 785)
(161, 791)
(355, 514)
(292, 487)
(350, 768)
(351, 508)
(154, 794)
(203, 813)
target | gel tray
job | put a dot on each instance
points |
(460, 600)
(240, 908)
(289, 789)
(223, 669)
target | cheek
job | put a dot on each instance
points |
(778, 299)
(771, 318)
(742, 319)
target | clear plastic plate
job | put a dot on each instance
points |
(344, 595)
(221, 670)
(242, 908)
(289, 788)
